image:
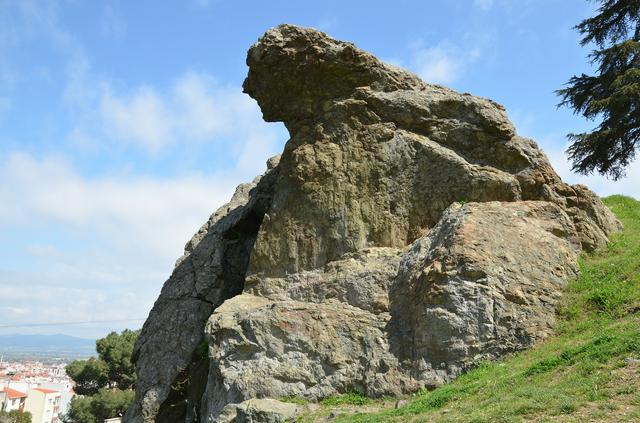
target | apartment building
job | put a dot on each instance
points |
(44, 405)
(11, 399)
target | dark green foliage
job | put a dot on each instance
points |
(15, 416)
(107, 403)
(106, 381)
(113, 368)
(612, 95)
(110, 403)
(80, 411)
(202, 350)
(116, 350)
(89, 375)
(611, 24)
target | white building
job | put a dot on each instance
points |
(66, 392)
(43, 404)
(10, 400)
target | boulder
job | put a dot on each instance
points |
(485, 282)
(406, 232)
(259, 411)
(262, 348)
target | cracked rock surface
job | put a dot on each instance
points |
(405, 233)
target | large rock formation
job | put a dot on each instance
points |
(210, 271)
(406, 232)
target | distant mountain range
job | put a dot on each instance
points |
(46, 346)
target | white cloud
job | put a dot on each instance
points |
(118, 237)
(121, 233)
(99, 247)
(157, 215)
(207, 109)
(446, 61)
(141, 118)
(193, 112)
(441, 64)
(196, 109)
(30, 297)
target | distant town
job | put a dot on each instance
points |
(41, 388)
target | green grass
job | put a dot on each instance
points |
(295, 400)
(352, 398)
(578, 375)
(609, 280)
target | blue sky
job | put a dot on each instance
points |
(123, 125)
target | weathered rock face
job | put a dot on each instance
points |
(376, 154)
(289, 348)
(211, 271)
(352, 264)
(259, 411)
(484, 282)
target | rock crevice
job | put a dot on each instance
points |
(212, 270)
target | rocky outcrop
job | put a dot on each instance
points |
(484, 282)
(211, 271)
(376, 155)
(406, 232)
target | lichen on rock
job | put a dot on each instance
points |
(405, 233)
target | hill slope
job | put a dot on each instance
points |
(589, 371)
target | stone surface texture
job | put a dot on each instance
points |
(405, 233)
(484, 282)
(259, 411)
(210, 271)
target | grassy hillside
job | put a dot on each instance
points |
(590, 371)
